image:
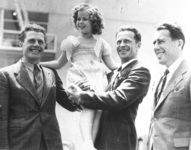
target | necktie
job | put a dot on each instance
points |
(161, 85)
(116, 76)
(38, 81)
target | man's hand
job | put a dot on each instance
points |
(85, 85)
(74, 93)
(74, 90)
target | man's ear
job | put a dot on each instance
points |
(180, 43)
(139, 45)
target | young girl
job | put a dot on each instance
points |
(86, 53)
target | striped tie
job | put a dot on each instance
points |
(38, 81)
(161, 85)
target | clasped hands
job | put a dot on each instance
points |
(74, 90)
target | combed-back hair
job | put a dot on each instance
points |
(175, 30)
(137, 36)
(32, 27)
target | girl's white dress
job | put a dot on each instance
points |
(86, 61)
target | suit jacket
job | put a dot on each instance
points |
(24, 120)
(171, 122)
(119, 104)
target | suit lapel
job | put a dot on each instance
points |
(110, 85)
(111, 82)
(23, 78)
(47, 84)
(115, 80)
(174, 81)
(122, 74)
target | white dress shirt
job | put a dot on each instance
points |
(173, 68)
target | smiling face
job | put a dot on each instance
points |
(127, 47)
(83, 23)
(166, 49)
(33, 46)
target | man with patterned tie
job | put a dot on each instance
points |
(28, 95)
(160, 86)
(170, 127)
(126, 90)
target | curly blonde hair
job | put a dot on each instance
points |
(94, 16)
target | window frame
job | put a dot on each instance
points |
(4, 31)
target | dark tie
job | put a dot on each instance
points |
(161, 85)
(38, 81)
(117, 76)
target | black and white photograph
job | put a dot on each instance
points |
(95, 75)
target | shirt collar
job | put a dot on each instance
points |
(127, 63)
(175, 65)
(30, 66)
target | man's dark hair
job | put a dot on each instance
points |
(176, 32)
(32, 27)
(137, 36)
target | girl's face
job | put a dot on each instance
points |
(83, 22)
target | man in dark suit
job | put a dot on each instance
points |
(170, 127)
(126, 90)
(28, 120)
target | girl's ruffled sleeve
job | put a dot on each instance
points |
(68, 45)
(102, 48)
(106, 48)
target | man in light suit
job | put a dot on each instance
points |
(170, 127)
(28, 120)
(126, 90)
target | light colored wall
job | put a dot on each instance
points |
(143, 14)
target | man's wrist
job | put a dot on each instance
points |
(79, 100)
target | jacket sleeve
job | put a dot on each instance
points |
(132, 88)
(61, 96)
(4, 102)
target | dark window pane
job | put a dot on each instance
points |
(10, 14)
(38, 17)
(11, 25)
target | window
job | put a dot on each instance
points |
(11, 21)
(10, 27)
